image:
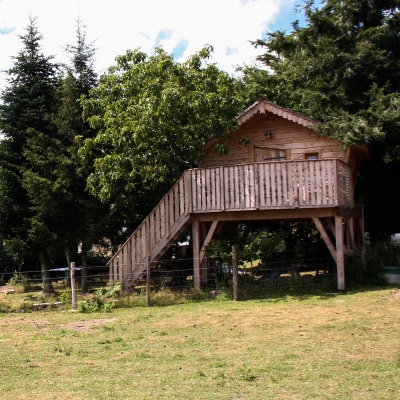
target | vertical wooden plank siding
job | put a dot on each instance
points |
(284, 185)
(182, 209)
(274, 185)
(194, 185)
(217, 188)
(330, 182)
(306, 190)
(202, 190)
(268, 185)
(222, 188)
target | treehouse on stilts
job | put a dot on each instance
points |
(287, 172)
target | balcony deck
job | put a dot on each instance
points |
(233, 192)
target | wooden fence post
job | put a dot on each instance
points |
(148, 282)
(73, 286)
(235, 274)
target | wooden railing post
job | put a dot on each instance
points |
(339, 252)
(235, 273)
(148, 282)
(73, 287)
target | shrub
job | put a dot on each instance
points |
(20, 282)
(100, 300)
(377, 256)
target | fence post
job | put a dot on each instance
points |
(73, 286)
(235, 274)
(148, 282)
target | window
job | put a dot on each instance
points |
(263, 154)
(311, 156)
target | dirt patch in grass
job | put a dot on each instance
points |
(85, 326)
(13, 320)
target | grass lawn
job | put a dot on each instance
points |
(310, 347)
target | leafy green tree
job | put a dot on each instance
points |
(27, 104)
(82, 213)
(343, 69)
(153, 116)
(252, 244)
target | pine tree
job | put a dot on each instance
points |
(28, 102)
(83, 217)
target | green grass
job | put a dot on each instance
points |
(307, 347)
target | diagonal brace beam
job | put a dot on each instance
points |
(207, 240)
(325, 236)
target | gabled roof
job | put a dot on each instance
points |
(262, 105)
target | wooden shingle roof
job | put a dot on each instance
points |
(262, 105)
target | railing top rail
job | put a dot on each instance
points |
(266, 162)
(144, 221)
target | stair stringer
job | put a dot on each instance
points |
(154, 236)
(158, 251)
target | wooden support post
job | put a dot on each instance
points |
(362, 233)
(196, 252)
(350, 234)
(148, 282)
(326, 238)
(203, 261)
(73, 286)
(235, 273)
(339, 252)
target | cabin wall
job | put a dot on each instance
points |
(296, 139)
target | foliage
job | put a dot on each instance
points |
(28, 102)
(20, 281)
(343, 70)
(378, 255)
(265, 244)
(101, 300)
(153, 116)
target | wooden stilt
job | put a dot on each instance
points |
(196, 252)
(362, 235)
(235, 273)
(339, 252)
(203, 261)
(148, 282)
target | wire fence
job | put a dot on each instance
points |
(260, 280)
(173, 280)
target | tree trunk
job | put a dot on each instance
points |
(84, 270)
(44, 261)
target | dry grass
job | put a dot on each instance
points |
(329, 347)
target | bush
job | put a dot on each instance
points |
(100, 300)
(20, 282)
(377, 256)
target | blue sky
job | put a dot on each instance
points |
(181, 27)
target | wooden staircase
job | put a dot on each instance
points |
(154, 236)
(285, 185)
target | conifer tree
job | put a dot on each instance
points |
(85, 218)
(28, 102)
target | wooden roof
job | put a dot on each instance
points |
(262, 105)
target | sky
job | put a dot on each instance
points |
(181, 27)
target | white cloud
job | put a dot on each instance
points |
(183, 26)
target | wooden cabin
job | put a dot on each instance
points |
(286, 172)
